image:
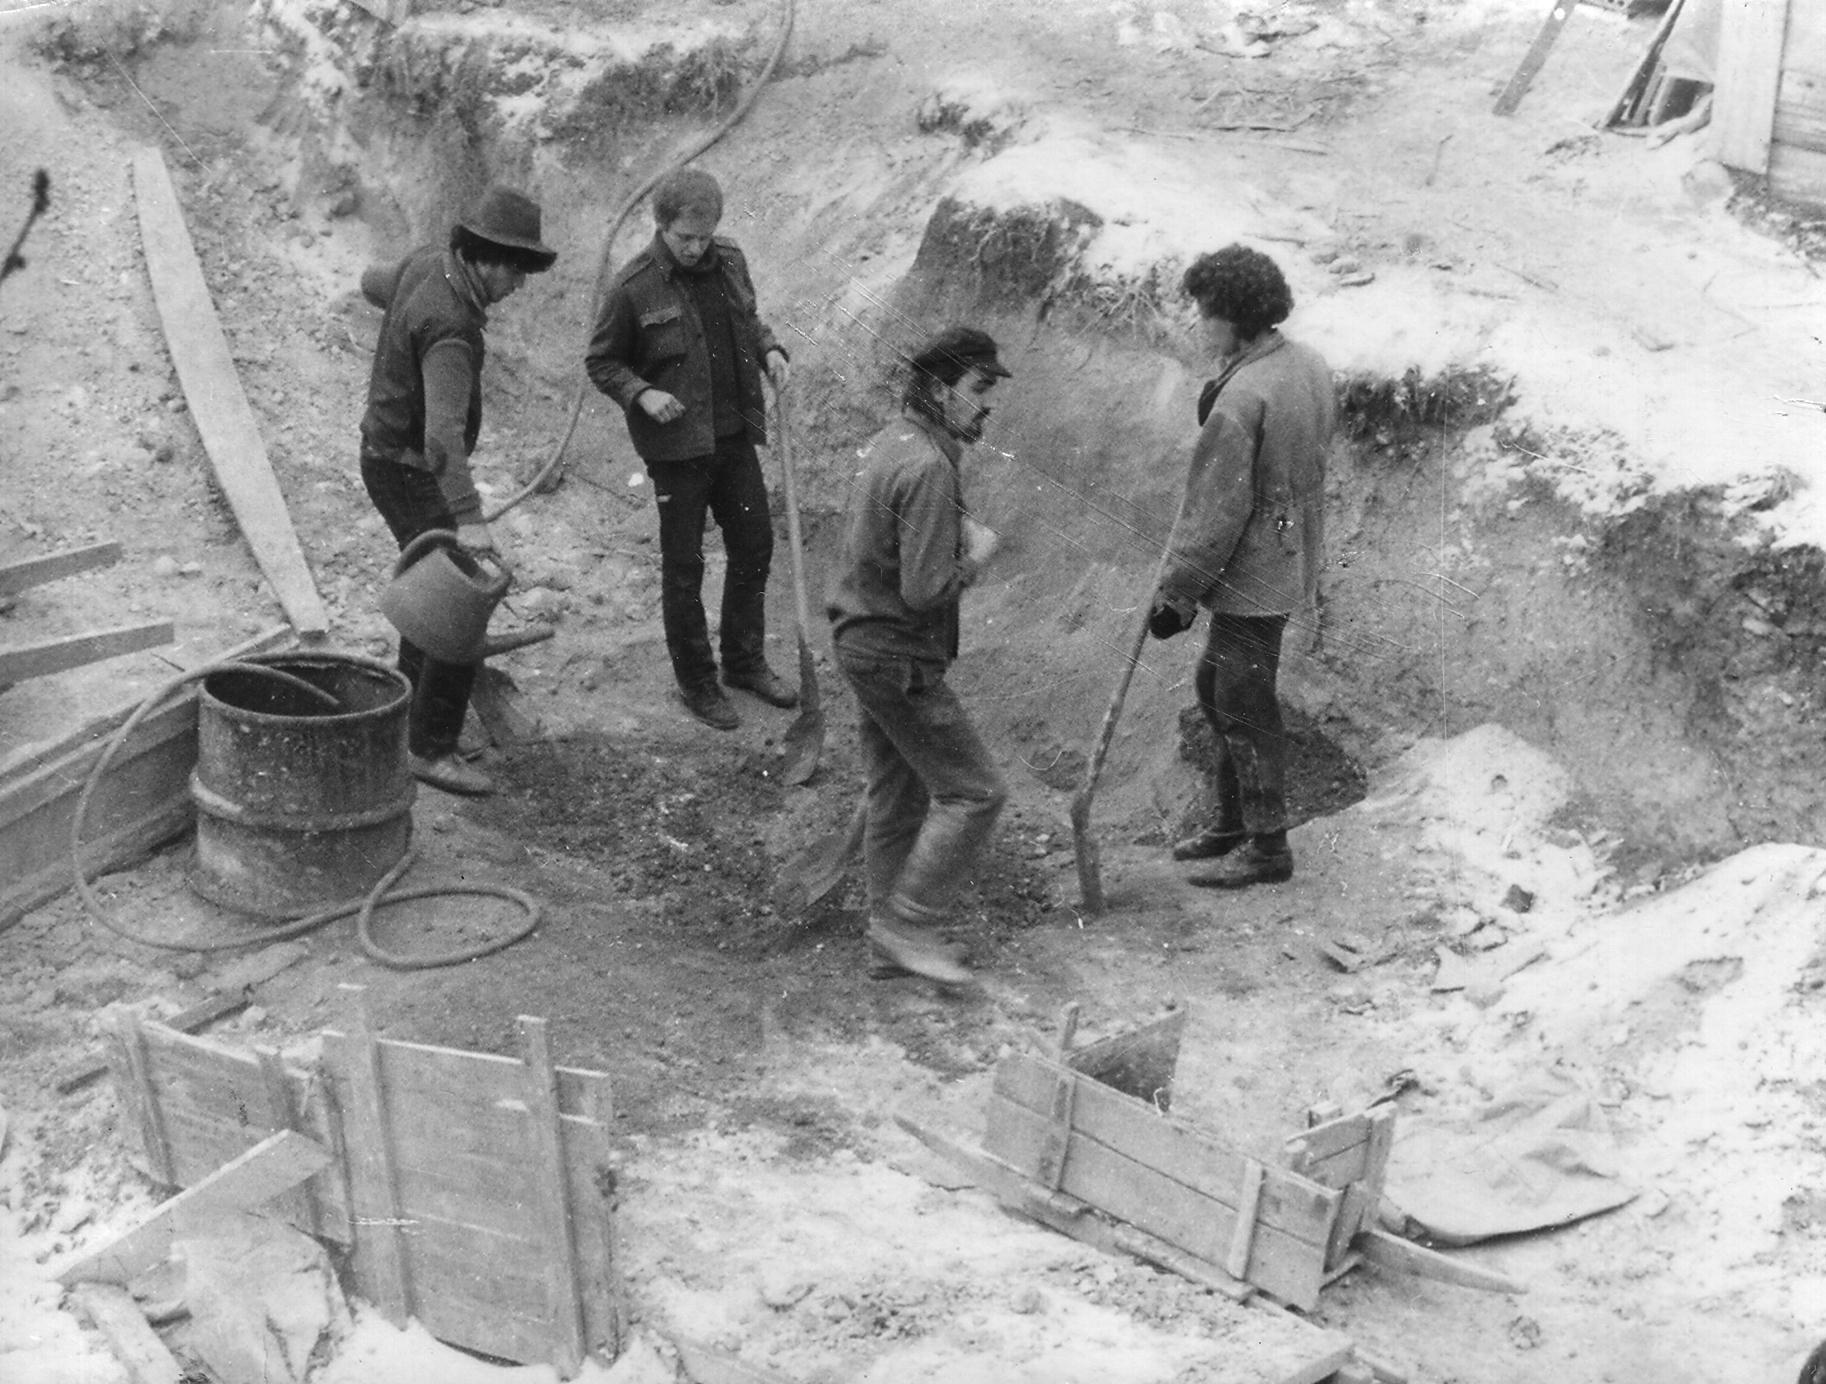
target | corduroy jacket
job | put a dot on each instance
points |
(1250, 536)
(649, 336)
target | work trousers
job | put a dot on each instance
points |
(1235, 683)
(933, 790)
(728, 487)
(411, 503)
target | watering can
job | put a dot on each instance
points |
(440, 598)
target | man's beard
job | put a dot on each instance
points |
(973, 430)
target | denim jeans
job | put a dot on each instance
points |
(933, 790)
(1235, 683)
(411, 503)
(727, 486)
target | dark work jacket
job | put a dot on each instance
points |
(902, 570)
(1250, 536)
(649, 336)
(430, 304)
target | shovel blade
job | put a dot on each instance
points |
(818, 869)
(804, 739)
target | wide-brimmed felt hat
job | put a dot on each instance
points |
(969, 347)
(504, 216)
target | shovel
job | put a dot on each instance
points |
(820, 867)
(804, 740)
(1084, 845)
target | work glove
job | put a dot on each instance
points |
(1166, 619)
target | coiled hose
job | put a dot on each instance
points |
(364, 908)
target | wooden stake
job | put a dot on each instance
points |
(138, 1090)
(112, 1311)
(373, 1179)
(1242, 1235)
(566, 1307)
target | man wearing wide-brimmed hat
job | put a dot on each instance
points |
(423, 417)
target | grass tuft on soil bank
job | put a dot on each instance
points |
(1394, 413)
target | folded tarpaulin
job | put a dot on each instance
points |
(1537, 1156)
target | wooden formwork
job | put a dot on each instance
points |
(467, 1190)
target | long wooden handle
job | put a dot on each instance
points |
(801, 607)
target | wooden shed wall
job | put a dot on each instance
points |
(1797, 153)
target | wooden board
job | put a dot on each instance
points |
(1798, 175)
(47, 656)
(21, 573)
(1306, 1354)
(1139, 1062)
(1750, 37)
(1167, 1178)
(1800, 113)
(142, 800)
(444, 1168)
(212, 388)
(277, 1162)
(112, 1311)
(1535, 58)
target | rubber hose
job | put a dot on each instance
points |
(608, 250)
(365, 906)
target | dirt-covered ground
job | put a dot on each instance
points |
(1570, 643)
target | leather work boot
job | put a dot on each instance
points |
(451, 774)
(707, 702)
(765, 684)
(1210, 843)
(919, 951)
(1253, 864)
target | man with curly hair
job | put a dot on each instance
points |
(1247, 546)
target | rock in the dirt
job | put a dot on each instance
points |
(781, 1288)
(263, 1301)
(1518, 899)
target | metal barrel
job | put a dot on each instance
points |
(300, 803)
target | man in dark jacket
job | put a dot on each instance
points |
(423, 417)
(1247, 546)
(911, 548)
(680, 346)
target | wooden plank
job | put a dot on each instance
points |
(1242, 1234)
(379, 1257)
(590, 1165)
(21, 661)
(112, 1311)
(1067, 1215)
(1536, 57)
(142, 800)
(708, 1365)
(212, 388)
(1627, 108)
(302, 1208)
(1140, 1062)
(277, 1162)
(1322, 1143)
(1800, 110)
(1050, 1169)
(18, 575)
(198, 1016)
(1139, 1193)
(1180, 1150)
(1388, 1251)
(1746, 78)
(1798, 175)
(142, 1098)
(546, 1166)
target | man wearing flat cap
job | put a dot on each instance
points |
(911, 548)
(423, 417)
